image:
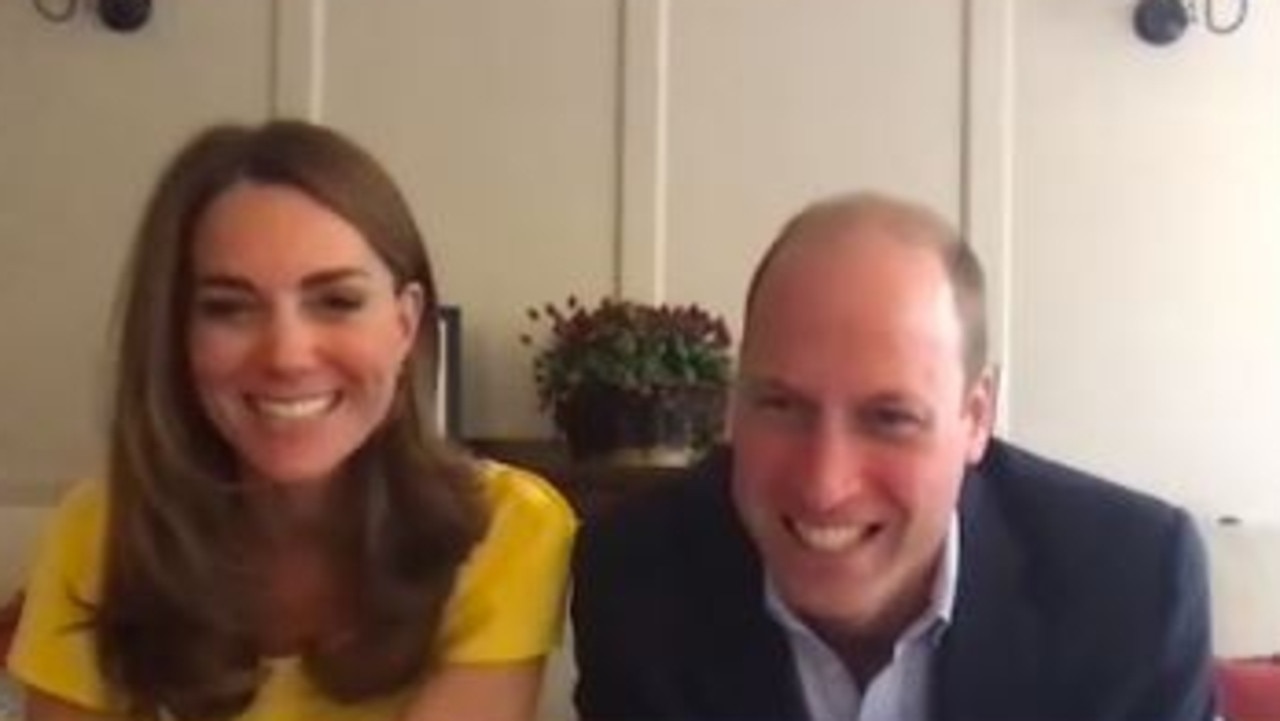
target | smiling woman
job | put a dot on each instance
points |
(284, 532)
(295, 348)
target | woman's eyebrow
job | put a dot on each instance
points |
(336, 275)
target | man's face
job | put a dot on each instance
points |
(852, 425)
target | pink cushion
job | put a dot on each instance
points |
(1249, 689)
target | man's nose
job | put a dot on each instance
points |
(833, 475)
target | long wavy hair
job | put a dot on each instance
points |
(176, 625)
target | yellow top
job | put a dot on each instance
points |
(507, 606)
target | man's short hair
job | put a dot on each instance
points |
(908, 223)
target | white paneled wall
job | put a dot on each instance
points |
(87, 118)
(1123, 196)
(1145, 306)
(774, 103)
(500, 120)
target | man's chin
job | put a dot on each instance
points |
(853, 611)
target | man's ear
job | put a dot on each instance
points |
(980, 412)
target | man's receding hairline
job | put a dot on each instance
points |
(851, 220)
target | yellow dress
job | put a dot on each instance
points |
(507, 606)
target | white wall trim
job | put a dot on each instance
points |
(642, 193)
(297, 80)
(987, 149)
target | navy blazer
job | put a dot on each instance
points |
(1077, 600)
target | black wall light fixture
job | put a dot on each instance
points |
(1160, 22)
(122, 16)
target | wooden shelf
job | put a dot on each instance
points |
(592, 487)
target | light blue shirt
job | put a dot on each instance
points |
(900, 691)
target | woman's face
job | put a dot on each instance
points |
(297, 334)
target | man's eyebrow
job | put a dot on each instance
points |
(891, 396)
(766, 384)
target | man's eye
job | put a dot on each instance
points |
(893, 422)
(777, 404)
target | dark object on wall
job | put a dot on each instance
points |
(124, 16)
(448, 381)
(1160, 22)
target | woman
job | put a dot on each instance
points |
(279, 536)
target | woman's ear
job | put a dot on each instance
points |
(410, 302)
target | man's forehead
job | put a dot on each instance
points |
(843, 299)
(852, 267)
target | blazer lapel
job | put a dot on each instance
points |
(987, 668)
(742, 660)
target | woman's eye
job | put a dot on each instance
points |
(340, 303)
(222, 308)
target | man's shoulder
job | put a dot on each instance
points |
(668, 524)
(1065, 513)
(1030, 482)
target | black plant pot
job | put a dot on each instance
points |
(610, 423)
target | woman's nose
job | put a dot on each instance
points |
(287, 344)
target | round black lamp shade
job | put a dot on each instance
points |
(1160, 22)
(124, 16)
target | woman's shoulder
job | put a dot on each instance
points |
(508, 602)
(81, 511)
(521, 497)
(84, 496)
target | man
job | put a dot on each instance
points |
(864, 550)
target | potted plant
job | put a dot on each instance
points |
(630, 381)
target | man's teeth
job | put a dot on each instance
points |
(296, 408)
(831, 537)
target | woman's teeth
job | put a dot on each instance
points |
(295, 408)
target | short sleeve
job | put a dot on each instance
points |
(509, 602)
(53, 648)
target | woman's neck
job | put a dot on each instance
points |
(290, 514)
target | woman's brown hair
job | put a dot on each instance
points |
(176, 626)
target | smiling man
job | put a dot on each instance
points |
(864, 550)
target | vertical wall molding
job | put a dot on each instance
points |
(986, 187)
(642, 182)
(297, 81)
